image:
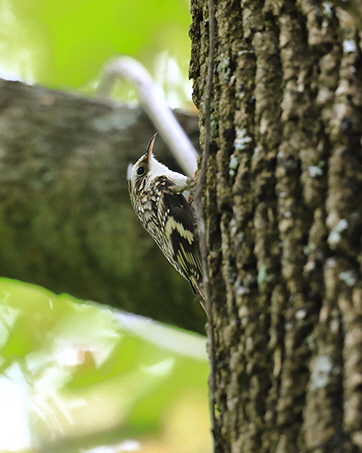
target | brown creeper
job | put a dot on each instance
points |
(157, 198)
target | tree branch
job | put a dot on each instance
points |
(152, 100)
(65, 218)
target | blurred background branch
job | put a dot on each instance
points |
(152, 101)
(65, 218)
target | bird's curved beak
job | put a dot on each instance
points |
(150, 146)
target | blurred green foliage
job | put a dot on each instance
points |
(63, 44)
(74, 375)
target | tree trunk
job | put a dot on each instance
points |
(283, 203)
(66, 222)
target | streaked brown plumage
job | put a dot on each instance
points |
(166, 214)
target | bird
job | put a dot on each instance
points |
(159, 198)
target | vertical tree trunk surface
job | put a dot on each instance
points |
(283, 203)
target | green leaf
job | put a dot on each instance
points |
(77, 373)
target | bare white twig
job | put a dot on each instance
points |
(152, 99)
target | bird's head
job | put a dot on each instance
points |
(147, 168)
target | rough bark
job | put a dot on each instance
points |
(283, 202)
(65, 218)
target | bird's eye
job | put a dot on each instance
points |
(140, 171)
